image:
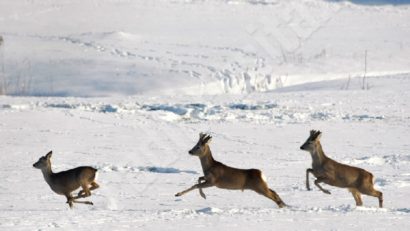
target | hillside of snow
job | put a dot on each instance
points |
(122, 47)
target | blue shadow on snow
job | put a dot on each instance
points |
(375, 2)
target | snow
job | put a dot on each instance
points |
(127, 86)
(119, 47)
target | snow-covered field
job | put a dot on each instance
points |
(140, 145)
(130, 84)
(123, 47)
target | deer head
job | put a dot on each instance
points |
(202, 146)
(311, 142)
(44, 161)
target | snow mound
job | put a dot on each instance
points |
(382, 160)
(258, 111)
(150, 169)
(165, 170)
(209, 211)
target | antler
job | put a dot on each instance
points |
(314, 134)
(204, 138)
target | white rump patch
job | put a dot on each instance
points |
(96, 176)
(263, 177)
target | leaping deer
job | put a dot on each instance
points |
(225, 177)
(64, 183)
(328, 171)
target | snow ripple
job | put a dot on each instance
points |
(381, 160)
(259, 112)
(214, 211)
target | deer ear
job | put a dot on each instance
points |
(319, 135)
(207, 139)
(49, 154)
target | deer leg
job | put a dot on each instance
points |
(262, 188)
(275, 197)
(69, 200)
(269, 193)
(200, 179)
(206, 184)
(82, 202)
(357, 196)
(375, 193)
(82, 193)
(309, 170)
(320, 180)
(85, 192)
(380, 197)
(94, 186)
(73, 200)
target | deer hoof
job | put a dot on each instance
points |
(327, 192)
(178, 194)
(203, 195)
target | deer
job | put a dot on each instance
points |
(358, 181)
(65, 182)
(225, 177)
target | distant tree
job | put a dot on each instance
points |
(365, 85)
(2, 75)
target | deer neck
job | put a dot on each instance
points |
(318, 156)
(207, 161)
(47, 173)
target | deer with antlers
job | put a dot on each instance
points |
(328, 171)
(64, 183)
(225, 177)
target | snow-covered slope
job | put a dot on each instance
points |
(167, 71)
(120, 47)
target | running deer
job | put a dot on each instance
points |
(328, 171)
(64, 183)
(225, 177)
